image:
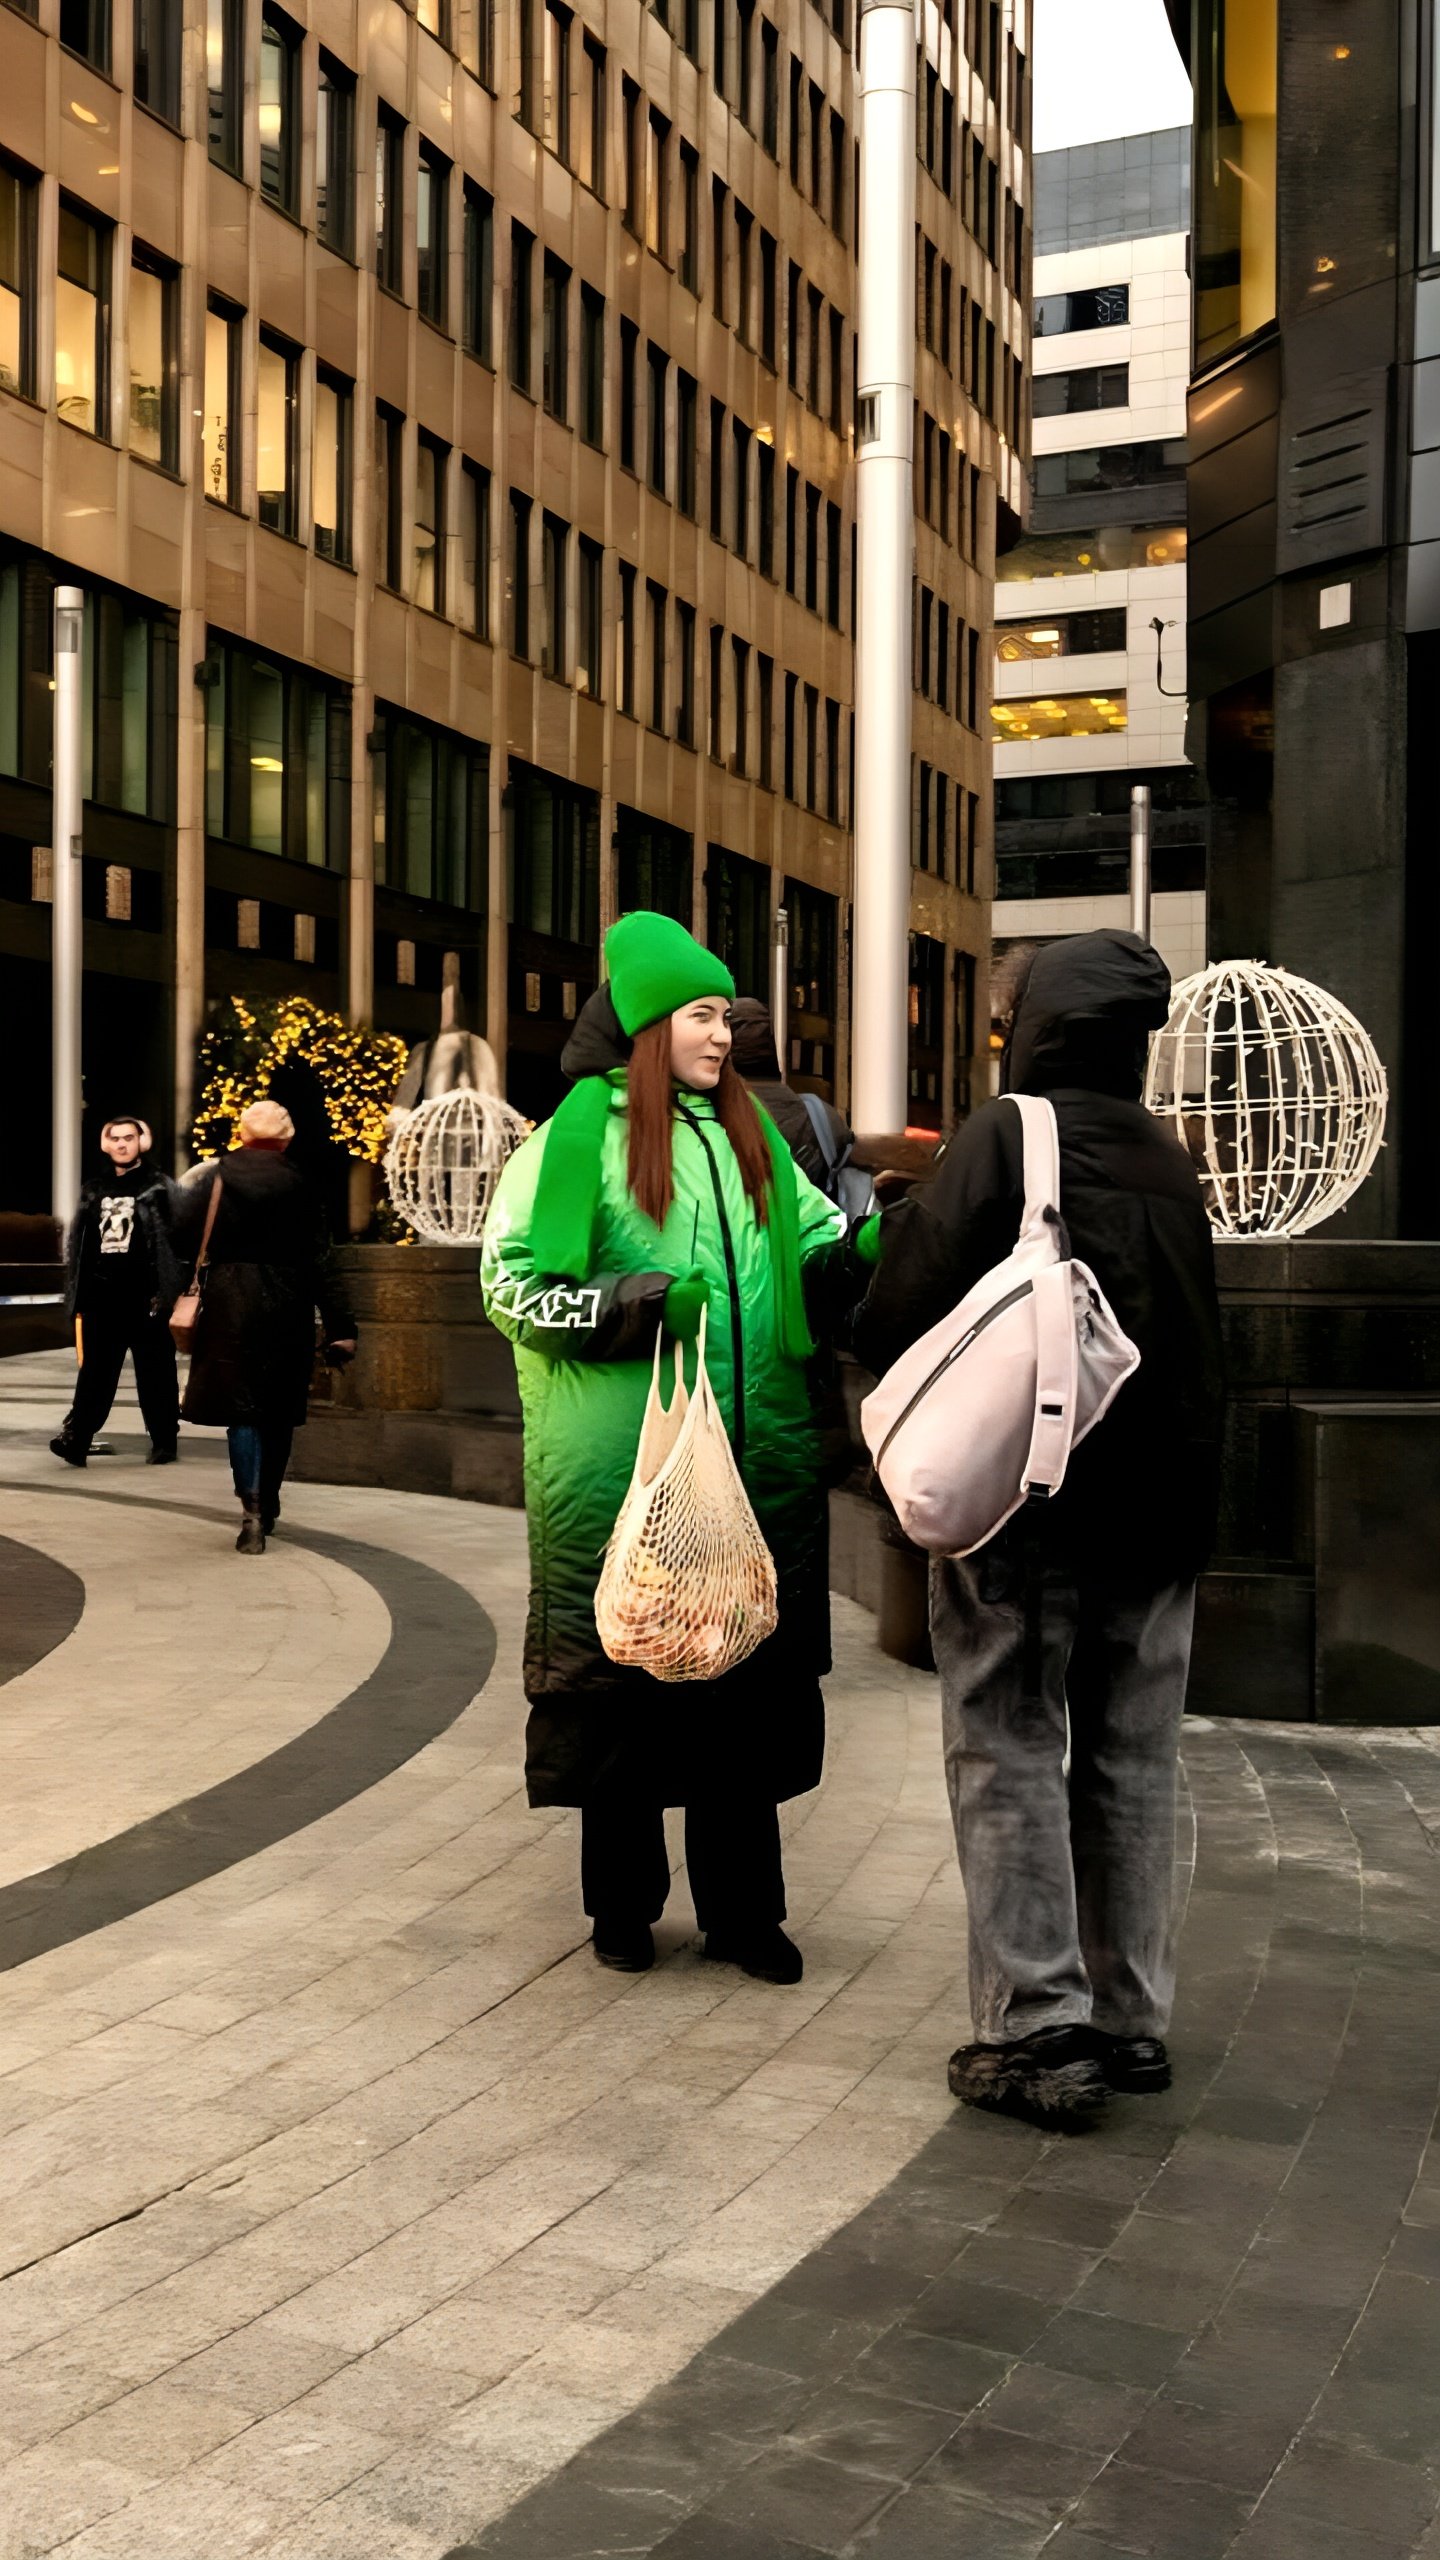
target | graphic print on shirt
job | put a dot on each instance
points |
(117, 1222)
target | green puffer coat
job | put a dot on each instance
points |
(584, 1356)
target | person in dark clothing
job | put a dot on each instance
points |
(1075, 1620)
(121, 1281)
(755, 1057)
(267, 1268)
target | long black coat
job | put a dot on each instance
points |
(1141, 1491)
(269, 1268)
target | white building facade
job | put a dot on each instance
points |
(1089, 694)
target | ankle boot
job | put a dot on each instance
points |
(251, 1541)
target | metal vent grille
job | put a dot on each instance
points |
(1332, 480)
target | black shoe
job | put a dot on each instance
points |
(251, 1541)
(1052, 2079)
(1137, 2066)
(767, 1955)
(70, 1450)
(269, 1516)
(164, 1456)
(624, 1945)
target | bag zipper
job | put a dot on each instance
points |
(1001, 1306)
(737, 1334)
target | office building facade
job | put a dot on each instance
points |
(448, 415)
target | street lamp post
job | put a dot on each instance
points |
(780, 989)
(65, 918)
(1140, 860)
(885, 539)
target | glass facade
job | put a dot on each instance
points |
(1064, 715)
(128, 683)
(277, 757)
(432, 811)
(1236, 72)
(1081, 555)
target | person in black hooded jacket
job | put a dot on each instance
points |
(1074, 1623)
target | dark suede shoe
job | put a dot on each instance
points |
(68, 1449)
(164, 1456)
(626, 1946)
(1136, 2066)
(251, 1541)
(1052, 2079)
(767, 1955)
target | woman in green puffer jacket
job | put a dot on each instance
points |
(660, 1187)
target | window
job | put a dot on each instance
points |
(592, 366)
(432, 811)
(717, 470)
(390, 201)
(279, 111)
(630, 174)
(522, 262)
(82, 320)
(629, 366)
(837, 372)
(741, 459)
(832, 762)
(519, 574)
(1072, 555)
(687, 414)
(554, 564)
(556, 80)
(477, 39)
(816, 119)
(765, 718)
(1066, 715)
(792, 500)
(740, 656)
(335, 158)
(684, 672)
(769, 89)
(717, 645)
(792, 684)
(434, 17)
(718, 33)
(768, 314)
(625, 640)
(812, 745)
(689, 218)
(555, 320)
(832, 564)
(1114, 466)
(656, 602)
(765, 507)
(528, 66)
(332, 470)
(590, 618)
(85, 29)
(221, 427)
(475, 549)
(1091, 386)
(432, 237)
(157, 57)
(745, 60)
(154, 361)
(839, 152)
(389, 494)
(432, 471)
(277, 758)
(797, 118)
(1234, 220)
(657, 183)
(792, 327)
(657, 366)
(1062, 635)
(592, 111)
(277, 376)
(17, 279)
(812, 547)
(744, 230)
(719, 279)
(556, 867)
(225, 75)
(479, 272)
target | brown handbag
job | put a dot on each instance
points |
(185, 1314)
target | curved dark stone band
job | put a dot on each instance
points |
(40, 1605)
(440, 1655)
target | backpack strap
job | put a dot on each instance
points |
(1042, 1166)
(819, 1119)
(1057, 1379)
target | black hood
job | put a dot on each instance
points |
(753, 1053)
(597, 1042)
(1085, 1016)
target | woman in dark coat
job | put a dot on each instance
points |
(268, 1268)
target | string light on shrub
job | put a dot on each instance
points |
(357, 1071)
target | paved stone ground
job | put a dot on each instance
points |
(351, 2213)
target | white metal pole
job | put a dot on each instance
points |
(780, 989)
(1140, 860)
(65, 920)
(885, 528)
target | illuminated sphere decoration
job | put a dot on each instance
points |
(1276, 1090)
(444, 1160)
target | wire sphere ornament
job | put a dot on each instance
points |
(444, 1160)
(1276, 1090)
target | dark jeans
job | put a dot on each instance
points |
(732, 1852)
(259, 1456)
(105, 1338)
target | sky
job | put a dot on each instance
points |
(1104, 68)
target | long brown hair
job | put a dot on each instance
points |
(650, 1170)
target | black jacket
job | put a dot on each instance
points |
(754, 1056)
(1141, 1491)
(269, 1268)
(144, 1279)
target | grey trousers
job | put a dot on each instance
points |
(1070, 1884)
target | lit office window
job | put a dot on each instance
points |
(1236, 72)
(332, 465)
(222, 392)
(277, 762)
(277, 377)
(279, 110)
(432, 811)
(432, 236)
(82, 320)
(1065, 715)
(589, 636)
(17, 279)
(154, 378)
(431, 470)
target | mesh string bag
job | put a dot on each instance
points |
(687, 1590)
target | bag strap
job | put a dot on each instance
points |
(1042, 1161)
(211, 1206)
(1057, 1380)
(819, 1119)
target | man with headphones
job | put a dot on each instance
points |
(122, 1280)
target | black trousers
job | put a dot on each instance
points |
(732, 1851)
(104, 1339)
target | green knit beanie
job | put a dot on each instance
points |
(654, 966)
